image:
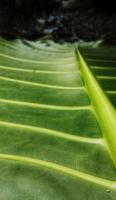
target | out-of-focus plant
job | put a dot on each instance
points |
(30, 5)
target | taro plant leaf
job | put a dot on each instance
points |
(57, 141)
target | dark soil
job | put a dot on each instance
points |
(60, 21)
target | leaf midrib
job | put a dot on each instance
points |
(101, 105)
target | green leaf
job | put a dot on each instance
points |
(56, 140)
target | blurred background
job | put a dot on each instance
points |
(60, 20)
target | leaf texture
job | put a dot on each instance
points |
(102, 63)
(51, 142)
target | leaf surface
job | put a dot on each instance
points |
(52, 144)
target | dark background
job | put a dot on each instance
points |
(60, 20)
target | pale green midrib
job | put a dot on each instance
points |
(37, 71)
(40, 84)
(63, 61)
(53, 133)
(45, 106)
(61, 169)
(105, 112)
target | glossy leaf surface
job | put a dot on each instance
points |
(103, 65)
(51, 142)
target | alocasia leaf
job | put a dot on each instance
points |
(53, 144)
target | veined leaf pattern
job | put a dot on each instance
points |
(51, 141)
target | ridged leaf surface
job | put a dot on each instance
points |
(51, 142)
(102, 63)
